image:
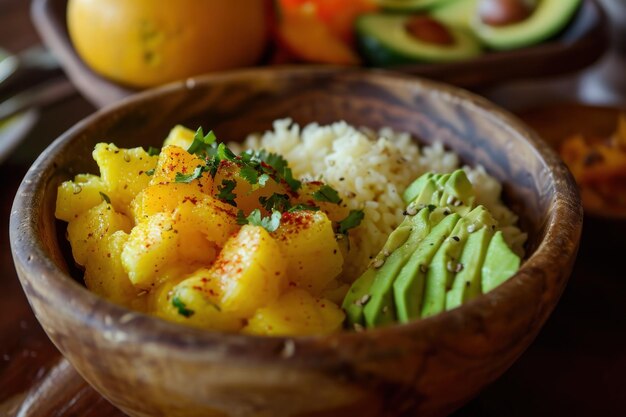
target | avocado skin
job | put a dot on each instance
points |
(500, 263)
(408, 287)
(408, 6)
(380, 309)
(547, 20)
(467, 283)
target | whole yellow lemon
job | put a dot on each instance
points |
(143, 43)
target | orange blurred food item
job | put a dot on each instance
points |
(320, 31)
(599, 166)
(141, 43)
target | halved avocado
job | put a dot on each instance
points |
(409, 5)
(547, 19)
(457, 13)
(384, 41)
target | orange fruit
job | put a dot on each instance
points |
(143, 43)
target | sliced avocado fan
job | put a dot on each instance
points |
(409, 5)
(445, 252)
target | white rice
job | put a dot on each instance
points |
(371, 171)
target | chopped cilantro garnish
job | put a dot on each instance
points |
(150, 172)
(182, 308)
(225, 154)
(279, 202)
(269, 223)
(152, 151)
(327, 193)
(351, 221)
(263, 179)
(301, 207)
(187, 178)
(226, 192)
(293, 183)
(241, 218)
(105, 197)
(250, 174)
(202, 143)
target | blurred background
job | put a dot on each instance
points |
(56, 70)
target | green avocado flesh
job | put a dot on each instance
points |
(410, 5)
(455, 12)
(547, 20)
(384, 41)
(445, 252)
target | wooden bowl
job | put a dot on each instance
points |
(583, 41)
(149, 367)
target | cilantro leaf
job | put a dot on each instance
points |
(327, 193)
(150, 172)
(202, 143)
(187, 178)
(225, 154)
(241, 218)
(279, 202)
(182, 308)
(301, 207)
(263, 178)
(269, 223)
(152, 151)
(293, 183)
(226, 192)
(352, 220)
(249, 174)
(105, 197)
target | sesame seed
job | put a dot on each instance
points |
(471, 228)
(423, 268)
(450, 200)
(456, 238)
(358, 327)
(365, 299)
(378, 263)
(411, 210)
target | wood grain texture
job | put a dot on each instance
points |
(578, 46)
(148, 367)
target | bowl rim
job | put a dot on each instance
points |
(564, 224)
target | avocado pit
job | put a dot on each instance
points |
(505, 12)
(429, 30)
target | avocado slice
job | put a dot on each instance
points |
(446, 261)
(467, 283)
(384, 41)
(409, 285)
(380, 307)
(352, 303)
(409, 5)
(457, 13)
(546, 20)
(416, 187)
(501, 263)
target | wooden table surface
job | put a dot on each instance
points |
(576, 367)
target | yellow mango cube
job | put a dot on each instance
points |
(296, 313)
(123, 171)
(163, 198)
(215, 220)
(86, 230)
(195, 301)
(251, 270)
(104, 273)
(307, 240)
(76, 197)
(180, 136)
(175, 161)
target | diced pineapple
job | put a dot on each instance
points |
(180, 136)
(336, 291)
(247, 195)
(175, 161)
(214, 220)
(163, 198)
(152, 246)
(195, 301)
(93, 225)
(123, 171)
(307, 240)
(76, 197)
(296, 313)
(104, 273)
(158, 243)
(251, 270)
